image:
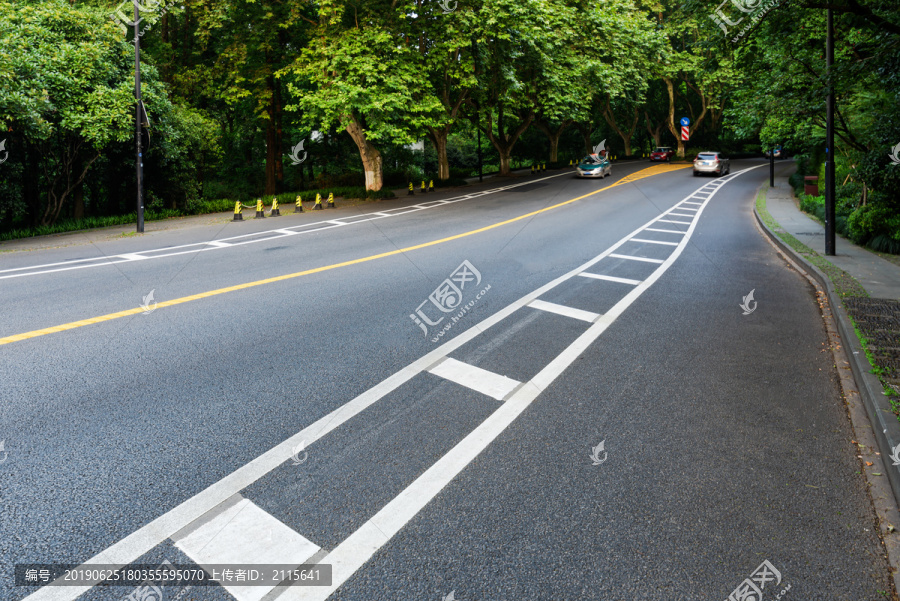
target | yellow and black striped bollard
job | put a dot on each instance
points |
(431, 185)
(318, 205)
(532, 170)
(299, 205)
(276, 212)
(238, 212)
(543, 166)
(260, 210)
(411, 191)
(331, 200)
(424, 189)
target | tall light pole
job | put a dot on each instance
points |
(137, 121)
(829, 139)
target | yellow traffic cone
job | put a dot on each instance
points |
(276, 212)
(238, 212)
(424, 190)
(318, 205)
(299, 205)
(411, 191)
(260, 210)
(431, 185)
(331, 200)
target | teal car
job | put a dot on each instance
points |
(594, 165)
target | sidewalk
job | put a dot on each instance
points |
(879, 277)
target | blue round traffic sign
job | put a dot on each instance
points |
(685, 121)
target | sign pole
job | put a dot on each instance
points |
(137, 127)
(829, 140)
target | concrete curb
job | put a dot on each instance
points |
(884, 422)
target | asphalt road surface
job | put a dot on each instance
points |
(546, 391)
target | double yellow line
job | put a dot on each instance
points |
(643, 173)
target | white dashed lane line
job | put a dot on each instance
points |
(351, 554)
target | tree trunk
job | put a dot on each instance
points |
(274, 168)
(504, 142)
(553, 135)
(585, 130)
(439, 137)
(371, 157)
(670, 122)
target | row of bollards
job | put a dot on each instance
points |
(276, 211)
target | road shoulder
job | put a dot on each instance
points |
(862, 391)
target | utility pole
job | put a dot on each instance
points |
(137, 121)
(829, 139)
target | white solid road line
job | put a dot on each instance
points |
(670, 221)
(157, 531)
(650, 229)
(480, 380)
(680, 215)
(631, 258)
(563, 310)
(350, 555)
(610, 278)
(196, 247)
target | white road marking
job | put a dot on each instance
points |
(470, 376)
(233, 537)
(610, 278)
(564, 310)
(350, 555)
(197, 247)
(670, 221)
(633, 258)
(654, 241)
(656, 229)
(686, 209)
(680, 215)
(141, 541)
(286, 232)
(691, 203)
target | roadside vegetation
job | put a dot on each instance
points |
(280, 97)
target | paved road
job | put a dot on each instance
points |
(280, 404)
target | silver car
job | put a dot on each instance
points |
(594, 165)
(711, 162)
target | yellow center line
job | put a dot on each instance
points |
(186, 299)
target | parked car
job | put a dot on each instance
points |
(711, 162)
(779, 153)
(663, 153)
(594, 165)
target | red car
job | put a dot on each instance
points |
(663, 153)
